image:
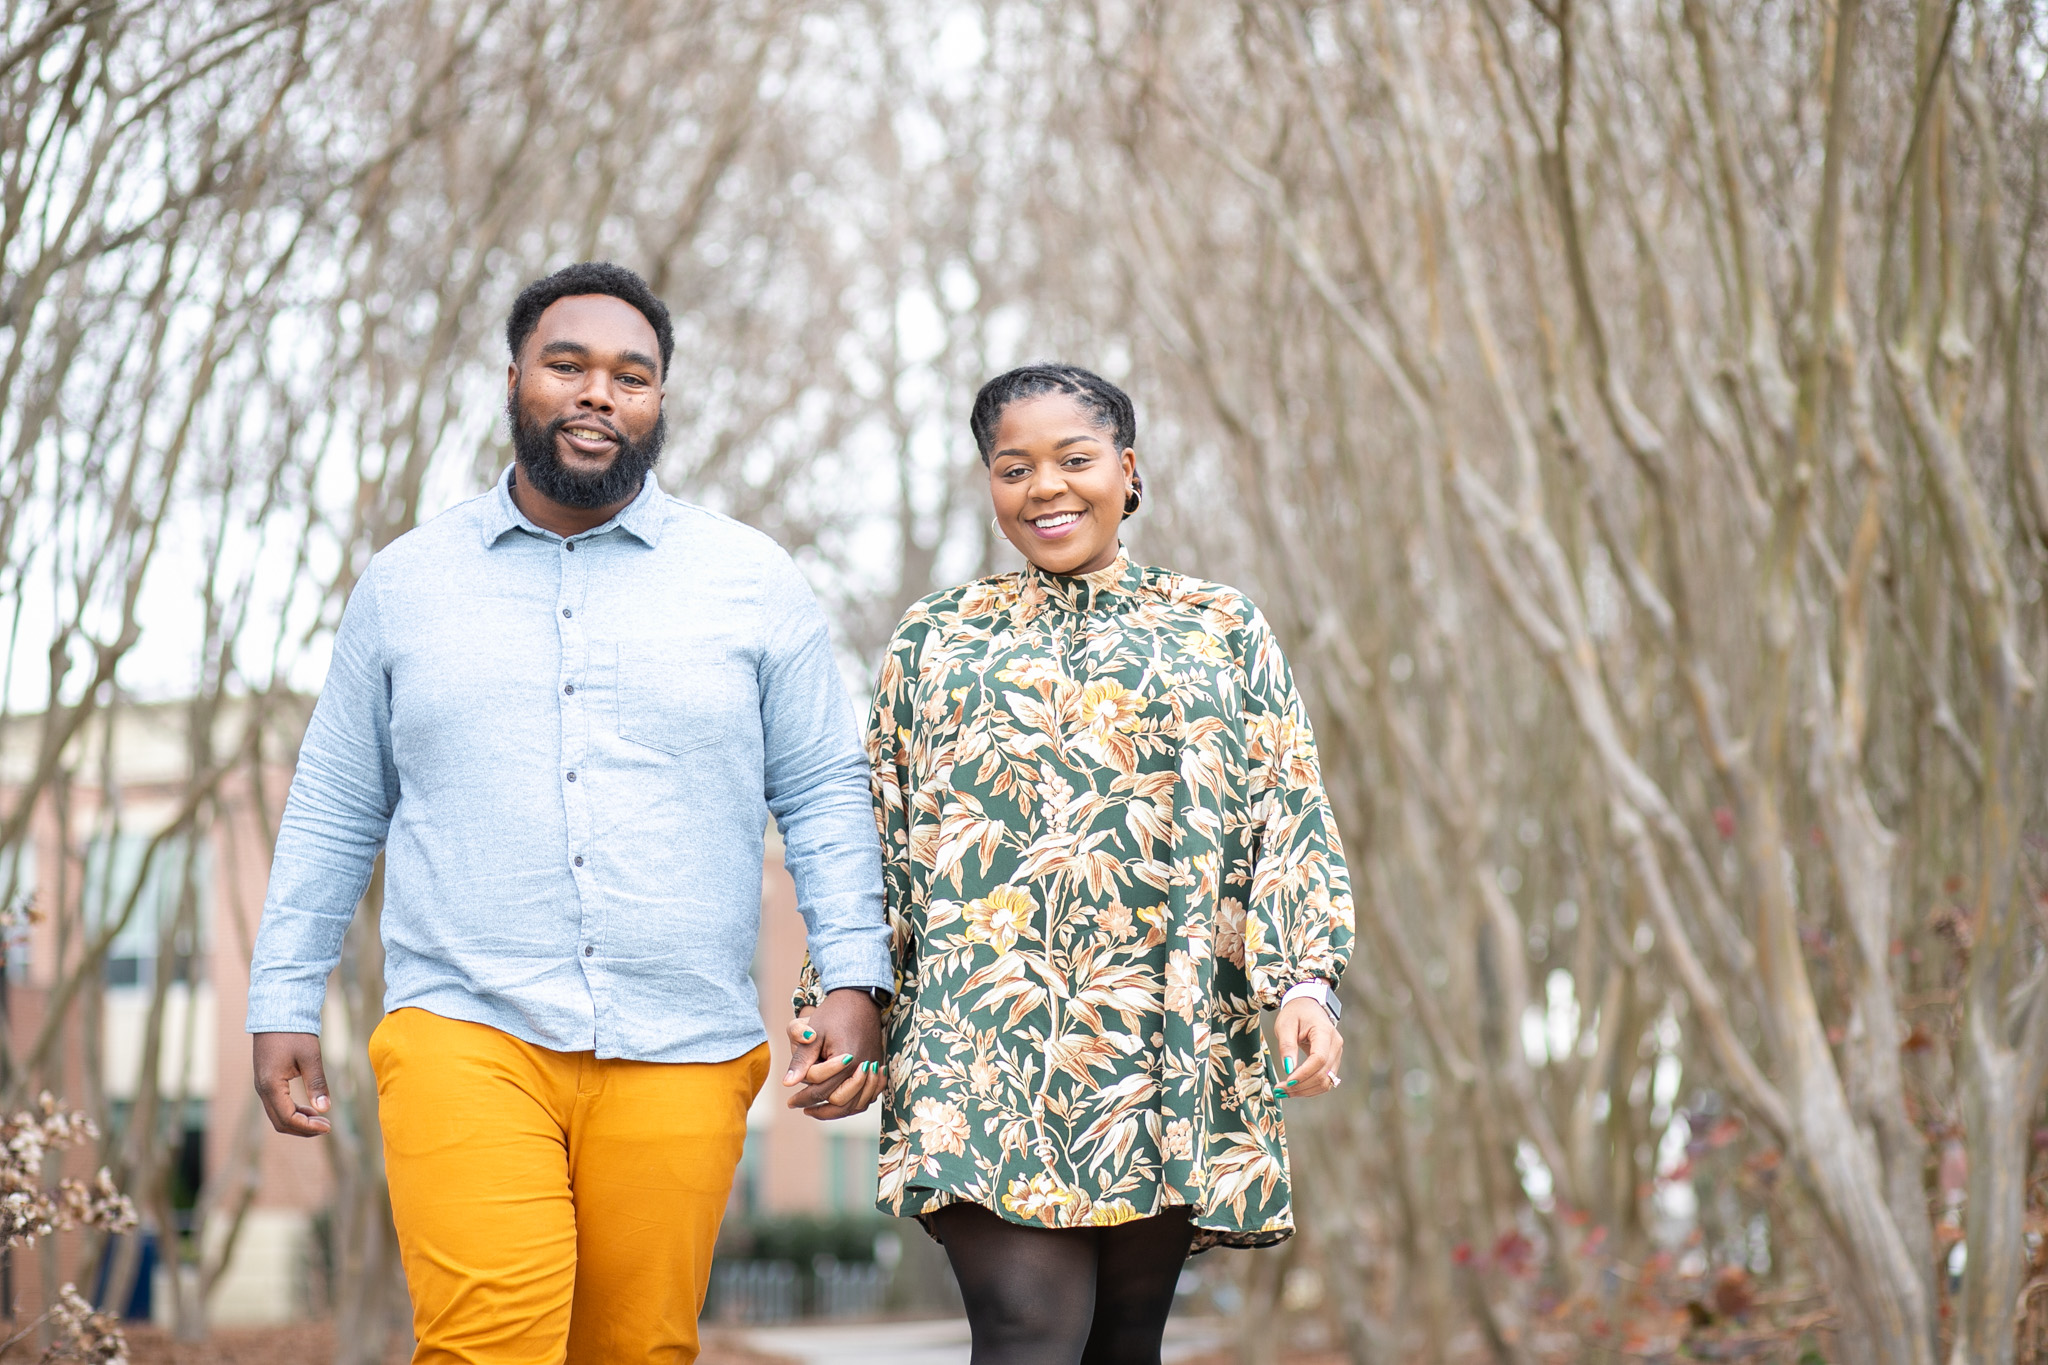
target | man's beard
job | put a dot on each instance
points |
(540, 460)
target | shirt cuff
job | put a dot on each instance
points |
(275, 1010)
(859, 966)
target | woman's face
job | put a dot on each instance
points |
(1059, 484)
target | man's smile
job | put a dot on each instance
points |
(589, 438)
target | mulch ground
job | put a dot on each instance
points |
(308, 1342)
(312, 1343)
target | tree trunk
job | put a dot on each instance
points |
(370, 1290)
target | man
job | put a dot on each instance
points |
(565, 710)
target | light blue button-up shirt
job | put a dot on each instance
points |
(569, 750)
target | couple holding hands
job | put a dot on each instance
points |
(565, 711)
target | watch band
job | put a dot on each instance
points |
(881, 995)
(1318, 990)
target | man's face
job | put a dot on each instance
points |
(585, 402)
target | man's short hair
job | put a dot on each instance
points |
(588, 277)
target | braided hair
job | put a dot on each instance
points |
(589, 277)
(1108, 407)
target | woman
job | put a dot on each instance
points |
(1107, 851)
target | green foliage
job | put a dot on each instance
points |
(800, 1237)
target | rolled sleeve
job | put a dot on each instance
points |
(816, 783)
(335, 822)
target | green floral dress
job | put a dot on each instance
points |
(1107, 849)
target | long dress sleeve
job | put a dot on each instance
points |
(888, 749)
(891, 726)
(1300, 921)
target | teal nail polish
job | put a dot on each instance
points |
(847, 1058)
(808, 1035)
(1289, 1064)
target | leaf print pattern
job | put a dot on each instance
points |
(1107, 851)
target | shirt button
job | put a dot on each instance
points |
(587, 950)
(569, 545)
(579, 860)
(572, 777)
(568, 689)
(567, 612)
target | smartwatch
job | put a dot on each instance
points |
(1318, 990)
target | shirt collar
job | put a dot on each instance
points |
(1104, 588)
(641, 518)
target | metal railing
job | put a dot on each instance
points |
(781, 1291)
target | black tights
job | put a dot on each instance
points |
(1065, 1296)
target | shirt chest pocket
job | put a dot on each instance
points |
(683, 696)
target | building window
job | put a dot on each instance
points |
(178, 876)
(181, 1131)
(745, 1200)
(850, 1162)
(17, 899)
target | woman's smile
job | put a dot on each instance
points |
(1059, 483)
(1055, 525)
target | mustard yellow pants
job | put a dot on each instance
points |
(552, 1206)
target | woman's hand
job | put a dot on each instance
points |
(1305, 1026)
(835, 1056)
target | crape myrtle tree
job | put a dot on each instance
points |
(151, 217)
(256, 258)
(256, 263)
(1623, 410)
(1626, 411)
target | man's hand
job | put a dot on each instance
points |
(279, 1058)
(1304, 1023)
(835, 1056)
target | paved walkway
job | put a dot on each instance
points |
(930, 1343)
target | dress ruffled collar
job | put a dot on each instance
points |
(1102, 589)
